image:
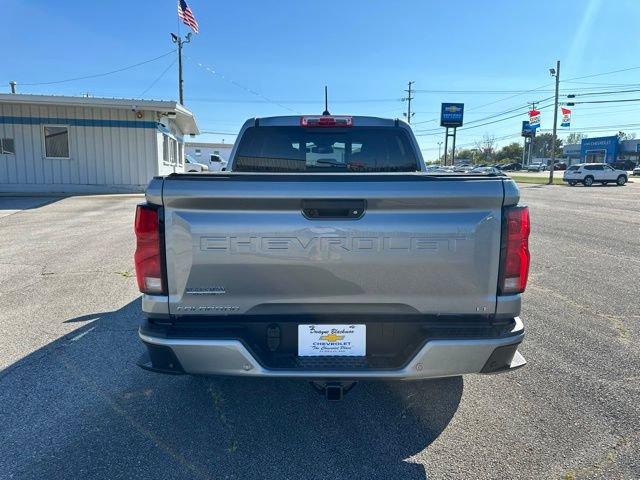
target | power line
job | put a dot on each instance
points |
(478, 92)
(606, 93)
(157, 79)
(523, 92)
(602, 74)
(596, 128)
(620, 100)
(471, 144)
(423, 132)
(292, 102)
(86, 77)
(506, 112)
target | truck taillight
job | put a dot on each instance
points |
(514, 265)
(147, 257)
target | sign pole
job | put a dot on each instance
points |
(451, 116)
(453, 150)
(446, 143)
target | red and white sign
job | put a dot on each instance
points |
(534, 118)
(566, 117)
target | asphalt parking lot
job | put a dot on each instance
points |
(73, 404)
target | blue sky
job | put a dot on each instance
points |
(365, 50)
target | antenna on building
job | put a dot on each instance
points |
(326, 101)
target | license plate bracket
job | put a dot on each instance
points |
(332, 340)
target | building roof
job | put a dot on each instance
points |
(184, 118)
(208, 145)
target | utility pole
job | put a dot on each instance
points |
(439, 144)
(408, 99)
(554, 72)
(178, 39)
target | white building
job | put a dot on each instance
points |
(87, 144)
(211, 154)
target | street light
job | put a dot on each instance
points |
(177, 39)
(554, 72)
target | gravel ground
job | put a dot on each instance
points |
(74, 405)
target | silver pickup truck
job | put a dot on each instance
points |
(327, 252)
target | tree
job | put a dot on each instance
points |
(626, 136)
(574, 138)
(511, 152)
(466, 154)
(541, 146)
(485, 148)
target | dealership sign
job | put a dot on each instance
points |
(566, 117)
(527, 131)
(534, 118)
(451, 114)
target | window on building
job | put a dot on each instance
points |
(216, 159)
(171, 151)
(174, 150)
(198, 152)
(56, 141)
(165, 149)
(7, 146)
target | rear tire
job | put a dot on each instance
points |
(588, 181)
(621, 180)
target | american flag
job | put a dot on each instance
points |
(186, 15)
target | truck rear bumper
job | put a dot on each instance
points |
(436, 358)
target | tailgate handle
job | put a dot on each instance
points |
(333, 209)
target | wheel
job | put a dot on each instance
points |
(573, 183)
(621, 180)
(588, 181)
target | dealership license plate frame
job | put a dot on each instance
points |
(325, 340)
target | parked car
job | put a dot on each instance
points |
(627, 165)
(217, 163)
(191, 166)
(536, 167)
(636, 171)
(275, 270)
(590, 173)
(560, 166)
(487, 170)
(512, 167)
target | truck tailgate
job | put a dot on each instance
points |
(332, 244)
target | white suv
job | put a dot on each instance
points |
(590, 173)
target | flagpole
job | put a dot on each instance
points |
(555, 123)
(186, 16)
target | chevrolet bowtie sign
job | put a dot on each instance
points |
(451, 114)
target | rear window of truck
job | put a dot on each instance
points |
(299, 149)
